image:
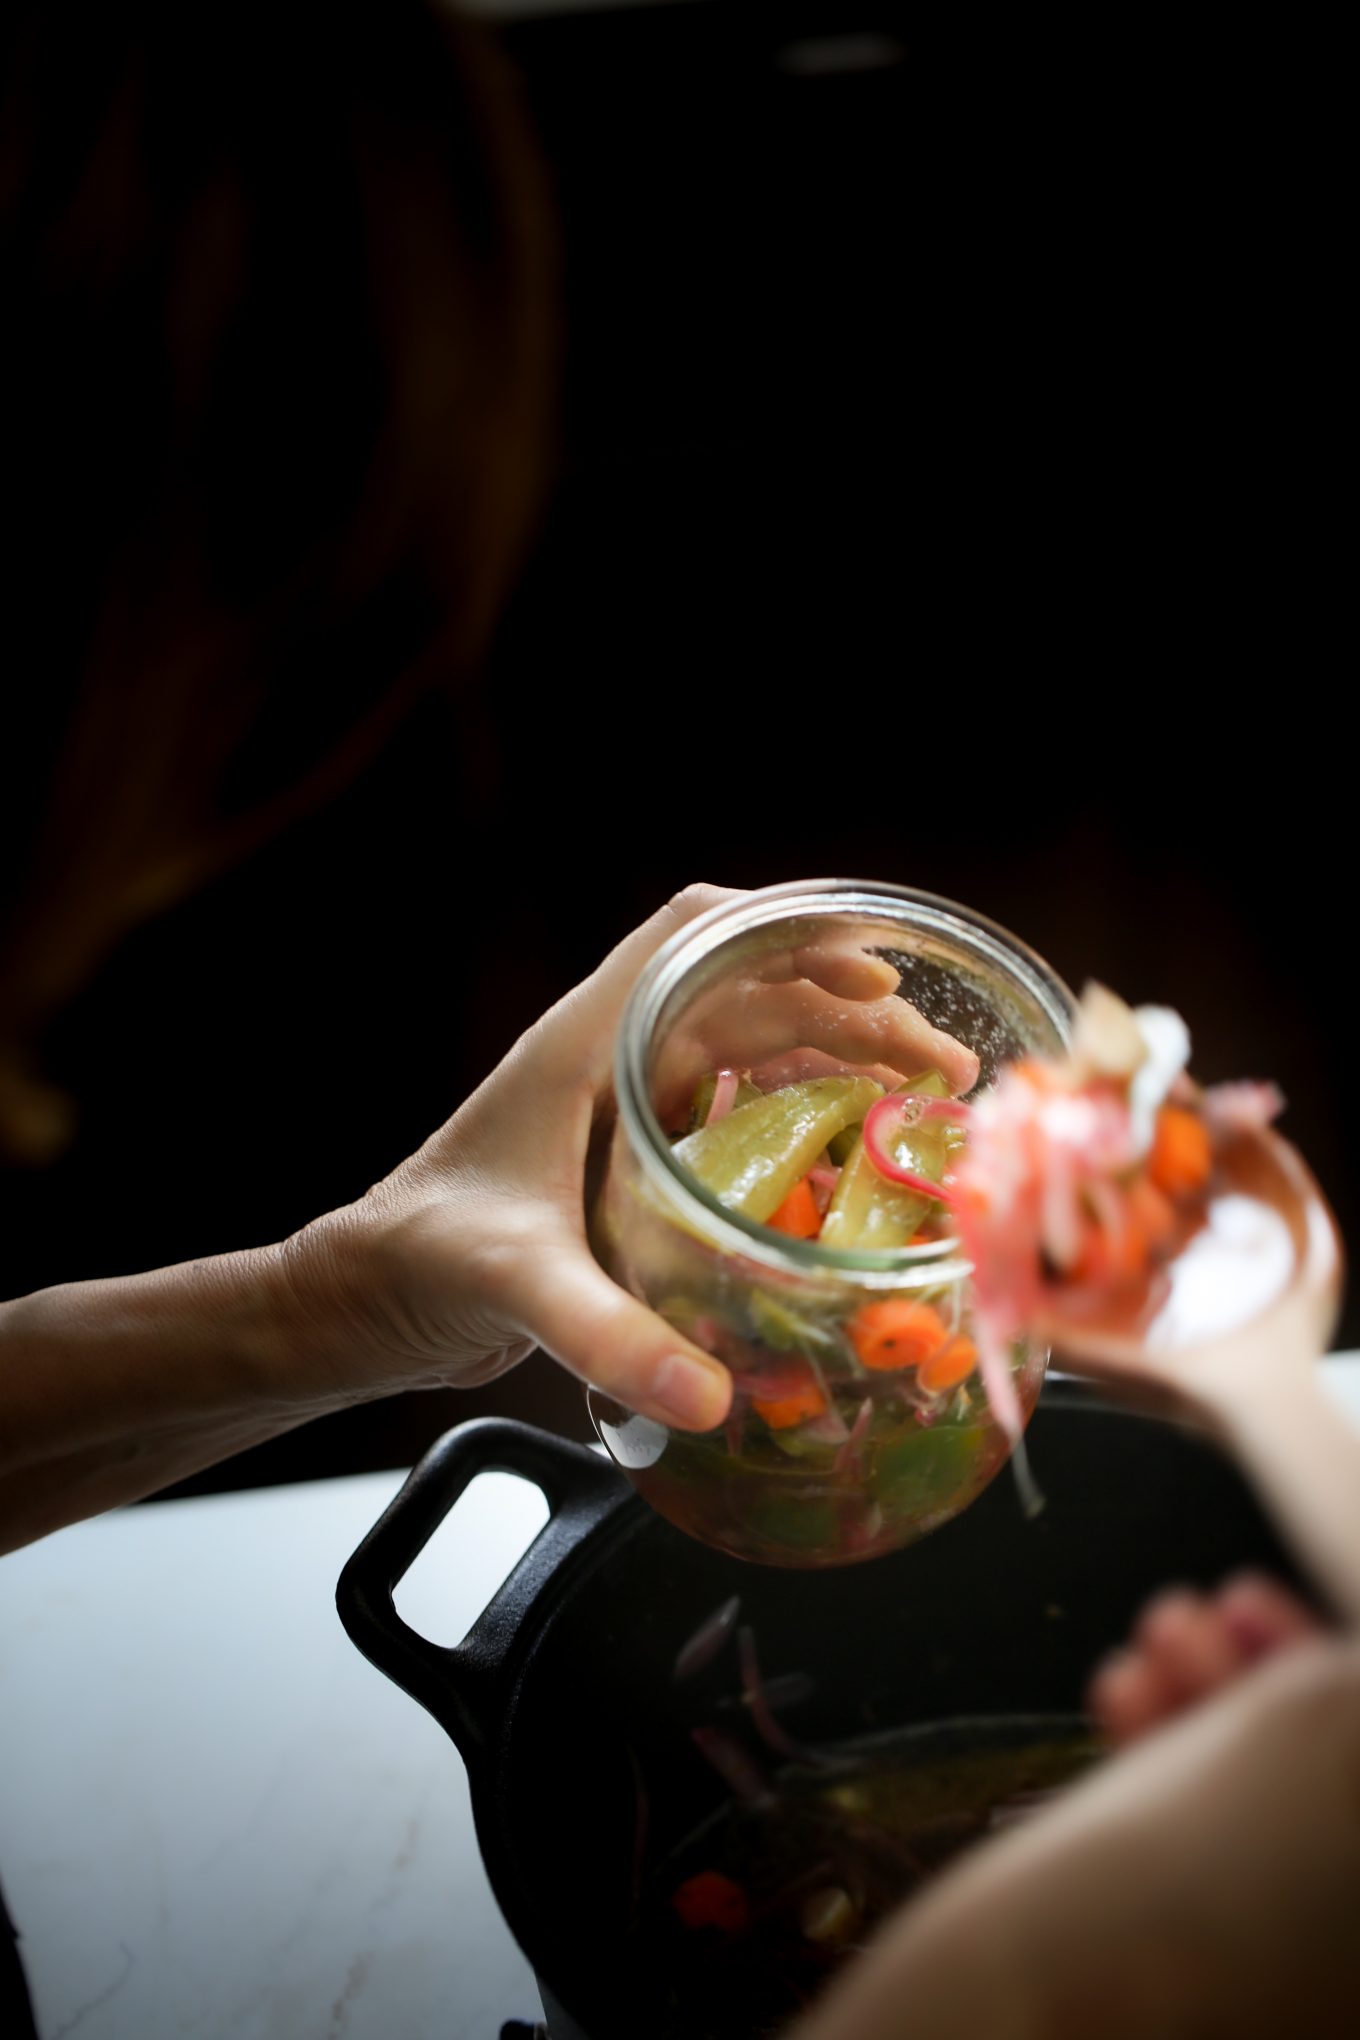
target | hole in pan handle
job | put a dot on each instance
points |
(459, 1686)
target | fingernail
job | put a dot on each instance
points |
(690, 1391)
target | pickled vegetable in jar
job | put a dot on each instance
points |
(793, 1072)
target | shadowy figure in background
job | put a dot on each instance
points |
(277, 296)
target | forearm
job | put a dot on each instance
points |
(1026, 1939)
(1201, 1883)
(935, 1980)
(1304, 1458)
(110, 1390)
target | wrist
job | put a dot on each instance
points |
(328, 1285)
(275, 1344)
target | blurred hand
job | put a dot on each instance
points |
(1188, 1646)
(1202, 1884)
(474, 1251)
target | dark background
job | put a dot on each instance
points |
(951, 493)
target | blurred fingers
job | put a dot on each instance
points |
(888, 1031)
(760, 1024)
(1187, 1646)
(844, 968)
(1126, 1698)
(1181, 1651)
(1184, 1637)
(1262, 1616)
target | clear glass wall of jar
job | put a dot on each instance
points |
(838, 1448)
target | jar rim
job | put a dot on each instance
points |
(932, 1262)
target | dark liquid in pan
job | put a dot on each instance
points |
(839, 1847)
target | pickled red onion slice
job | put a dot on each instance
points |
(724, 1094)
(882, 1119)
(850, 1449)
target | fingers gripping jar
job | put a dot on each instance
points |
(751, 1054)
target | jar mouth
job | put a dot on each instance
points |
(983, 941)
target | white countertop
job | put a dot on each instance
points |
(215, 1817)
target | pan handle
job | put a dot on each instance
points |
(458, 1685)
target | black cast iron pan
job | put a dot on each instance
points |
(561, 1698)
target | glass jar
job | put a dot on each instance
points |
(836, 1449)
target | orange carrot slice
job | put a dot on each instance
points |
(1113, 1261)
(896, 1333)
(1153, 1211)
(798, 1214)
(945, 1369)
(799, 1406)
(1181, 1155)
